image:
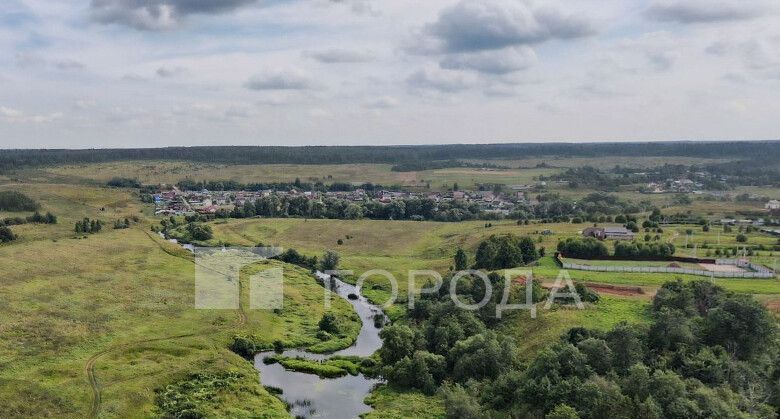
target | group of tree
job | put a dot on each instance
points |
(639, 250)
(329, 261)
(418, 209)
(14, 201)
(502, 252)
(35, 218)
(88, 226)
(420, 165)
(705, 353)
(582, 248)
(123, 182)
(297, 184)
(125, 223)
(595, 207)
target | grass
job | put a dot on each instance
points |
(121, 303)
(531, 335)
(630, 263)
(390, 403)
(548, 270)
(172, 172)
(325, 369)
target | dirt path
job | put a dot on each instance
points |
(624, 291)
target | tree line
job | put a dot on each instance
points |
(13, 159)
(591, 248)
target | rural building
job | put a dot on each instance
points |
(609, 233)
(773, 205)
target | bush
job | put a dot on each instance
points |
(17, 201)
(741, 238)
(6, 235)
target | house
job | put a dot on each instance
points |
(609, 233)
(772, 205)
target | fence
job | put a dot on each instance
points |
(763, 273)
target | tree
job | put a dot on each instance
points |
(460, 404)
(486, 253)
(200, 232)
(741, 325)
(598, 354)
(329, 323)
(461, 260)
(398, 342)
(562, 411)
(330, 261)
(741, 238)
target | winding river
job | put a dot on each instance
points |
(313, 397)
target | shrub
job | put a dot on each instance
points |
(17, 201)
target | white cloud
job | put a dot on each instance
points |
(281, 80)
(17, 116)
(340, 55)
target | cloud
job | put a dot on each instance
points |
(15, 115)
(339, 55)
(68, 65)
(384, 102)
(473, 25)
(444, 81)
(706, 11)
(281, 80)
(157, 15)
(32, 60)
(169, 72)
(502, 61)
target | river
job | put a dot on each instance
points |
(313, 397)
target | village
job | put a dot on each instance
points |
(206, 202)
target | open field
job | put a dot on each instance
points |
(172, 172)
(630, 263)
(97, 324)
(398, 246)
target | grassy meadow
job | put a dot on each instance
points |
(94, 325)
(116, 309)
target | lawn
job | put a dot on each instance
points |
(630, 263)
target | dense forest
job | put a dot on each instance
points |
(760, 150)
(693, 360)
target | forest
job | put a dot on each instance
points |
(693, 360)
(753, 151)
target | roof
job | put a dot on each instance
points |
(616, 230)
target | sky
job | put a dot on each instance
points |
(150, 73)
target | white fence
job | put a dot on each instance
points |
(764, 273)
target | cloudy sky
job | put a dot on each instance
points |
(142, 73)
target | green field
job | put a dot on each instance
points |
(99, 323)
(113, 315)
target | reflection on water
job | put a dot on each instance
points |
(313, 397)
